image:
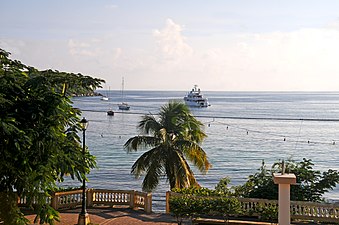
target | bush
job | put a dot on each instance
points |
(266, 212)
(192, 206)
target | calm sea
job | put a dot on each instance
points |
(243, 129)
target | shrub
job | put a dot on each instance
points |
(192, 206)
(267, 212)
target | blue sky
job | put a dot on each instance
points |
(242, 45)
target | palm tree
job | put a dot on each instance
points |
(173, 137)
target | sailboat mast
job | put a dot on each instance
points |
(122, 89)
(123, 105)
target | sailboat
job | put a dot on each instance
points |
(110, 111)
(105, 97)
(123, 105)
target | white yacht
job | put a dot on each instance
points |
(195, 98)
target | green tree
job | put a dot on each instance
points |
(223, 187)
(173, 137)
(39, 144)
(311, 184)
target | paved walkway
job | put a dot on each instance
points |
(114, 216)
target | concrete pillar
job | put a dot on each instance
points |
(89, 197)
(54, 201)
(148, 203)
(167, 202)
(132, 199)
(284, 181)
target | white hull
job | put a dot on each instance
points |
(194, 103)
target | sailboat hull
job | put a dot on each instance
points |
(110, 113)
(123, 106)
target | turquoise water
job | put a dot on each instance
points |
(243, 129)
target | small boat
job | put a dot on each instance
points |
(110, 113)
(195, 98)
(123, 105)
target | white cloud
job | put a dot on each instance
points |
(299, 60)
(81, 48)
(304, 59)
(117, 54)
(111, 6)
(171, 42)
(333, 25)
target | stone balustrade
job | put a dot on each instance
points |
(322, 212)
(97, 197)
(249, 204)
(67, 199)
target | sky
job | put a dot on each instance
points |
(220, 45)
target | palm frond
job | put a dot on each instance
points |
(151, 164)
(195, 131)
(196, 155)
(144, 161)
(136, 142)
(153, 175)
(171, 114)
(149, 125)
(178, 119)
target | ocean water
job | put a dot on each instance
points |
(243, 128)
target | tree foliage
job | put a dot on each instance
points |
(311, 184)
(174, 137)
(39, 144)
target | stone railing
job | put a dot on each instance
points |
(97, 197)
(133, 199)
(319, 212)
(322, 212)
(250, 204)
